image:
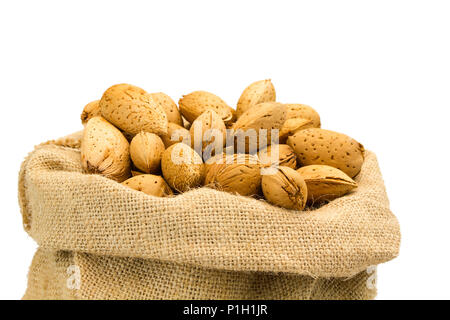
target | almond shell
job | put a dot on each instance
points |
(105, 150)
(132, 110)
(325, 183)
(257, 92)
(319, 146)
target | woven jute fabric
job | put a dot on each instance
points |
(202, 244)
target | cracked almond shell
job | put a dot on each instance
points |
(268, 116)
(194, 104)
(92, 109)
(208, 132)
(236, 173)
(298, 110)
(104, 150)
(278, 155)
(146, 150)
(285, 188)
(169, 106)
(150, 184)
(132, 110)
(182, 167)
(319, 146)
(325, 183)
(257, 92)
(175, 134)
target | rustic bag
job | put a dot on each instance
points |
(101, 240)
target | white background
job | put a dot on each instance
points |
(376, 70)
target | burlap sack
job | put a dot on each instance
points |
(101, 240)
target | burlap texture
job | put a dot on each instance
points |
(203, 244)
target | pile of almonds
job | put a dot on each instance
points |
(262, 149)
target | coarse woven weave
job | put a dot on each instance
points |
(202, 244)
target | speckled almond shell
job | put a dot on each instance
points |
(293, 125)
(150, 184)
(286, 188)
(132, 110)
(182, 167)
(203, 127)
(92, 109)
(267, 115)
(286, 156)
(169, 106)
(237, 173)
(104, 150)
(258, 92)
(325, 183)
(179, 133)
(194, 104)
(146, 150)
(297, 110)
(319, 146)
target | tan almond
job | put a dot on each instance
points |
(182, 167)
(319, 146)
(267, 116)
(175, 134)
(132, 110)
(92, 109)
(208, 133)
(146, 150)
(293, 125)
(285, 188)
(298, 110)
(278, 155)
(169, 106)
(194, 104)
(150, 184)
(325, 183)
(256, 93)
(237, 173)
(104, 150)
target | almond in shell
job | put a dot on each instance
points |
(319, 146)
(236, 173)
(255, 126)
(258, 92)
(169, 106)
(92, 109)
(146, 150)
(208, 133)
(325, 183)
(150, 184)
(218, 158)
(175, 134)
(132, 110)
(278, 155)
(297, 110)
(285, 188)
(194, 104)
(293, 125)
(182, 167)
(104, 150)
